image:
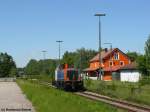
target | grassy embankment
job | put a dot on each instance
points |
(46, 99)
(122, 90)
(42, 78)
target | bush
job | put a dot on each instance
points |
(88, 82)
(112, 86)
(101, 87)
(145, 81)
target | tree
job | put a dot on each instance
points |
(79, 59)
(141, 60)
(147, 54)
(69, 58)
(41, 67)
(32, 68)
(13, 72)
(83, 58)
(132, 55)
(144, 60)
(6, 65)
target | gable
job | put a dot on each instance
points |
(117, 51)
(107, 54)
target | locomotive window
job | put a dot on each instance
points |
(72, 74)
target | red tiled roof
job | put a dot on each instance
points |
(103, 54)
(115, 68)
(133, 65)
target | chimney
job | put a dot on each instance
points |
(106, 49)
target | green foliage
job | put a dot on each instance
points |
(88, 82)
(132, 55)
(147, 55)
(144, 60)
(141, 60)
(7, 65)
(145, 81)
(101, 87)
(13, 72)
(136, 92)
(54, 100)
(42, 67)
(32, 68)
(79, 59)
(69, 58)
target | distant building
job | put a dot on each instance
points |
(115, 65)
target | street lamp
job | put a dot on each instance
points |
(43, 62)
(59, 41)
(44, 54)
(110, 45)
(100, 60)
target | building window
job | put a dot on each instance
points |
(114, 63)
(110, 63)
(122, 63)
(116, 56)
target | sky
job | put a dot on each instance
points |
(27, 27)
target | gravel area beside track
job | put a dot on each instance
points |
(12, 99)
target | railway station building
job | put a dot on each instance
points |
(116, 65)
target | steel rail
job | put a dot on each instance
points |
(132, 107)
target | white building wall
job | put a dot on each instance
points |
(93, 78)
(129, 75)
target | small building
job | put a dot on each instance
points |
(129, 73)
(115, 64)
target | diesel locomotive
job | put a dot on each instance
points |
(68, 78)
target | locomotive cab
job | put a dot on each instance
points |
(73, 79)
(68, 78)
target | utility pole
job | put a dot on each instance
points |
(59, 42)
(100, 60)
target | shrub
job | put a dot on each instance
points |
(88, 82)
(144, 81)
(101, 87)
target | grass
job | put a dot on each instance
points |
(122, 90)
(42, 77)
(46, 99)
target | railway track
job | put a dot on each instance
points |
(130, 107)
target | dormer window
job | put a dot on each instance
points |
(116, 56)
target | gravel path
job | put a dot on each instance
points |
(12, 99)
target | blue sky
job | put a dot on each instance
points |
(29, 26)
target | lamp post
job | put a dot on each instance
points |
(59, 41)
(43, 63)
(44, 54)
(110, 45)
(100, 60)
